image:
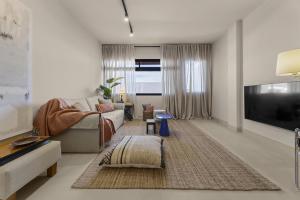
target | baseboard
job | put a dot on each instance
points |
(225, 123)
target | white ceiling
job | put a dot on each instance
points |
(159, 21)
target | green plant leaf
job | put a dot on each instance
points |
(107, 93)
(114, 85)
(118, 78)
(102, 87)
(112, 80)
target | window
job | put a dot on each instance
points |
(193, 71)
(148, 77)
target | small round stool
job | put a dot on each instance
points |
(151, 122)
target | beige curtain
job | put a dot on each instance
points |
(186, 80)
(119, 61)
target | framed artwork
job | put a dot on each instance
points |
(15, 69)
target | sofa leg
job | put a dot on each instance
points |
(51, 171)
(12, 197)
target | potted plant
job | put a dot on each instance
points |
(107, 89)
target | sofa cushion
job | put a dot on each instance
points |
(136, 151)
(119, 106)
(79, 106)
(117, 116)
(92, 101)
(92, 121)
(82, 101)
(89, 122)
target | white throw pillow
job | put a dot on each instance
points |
(136, 151)
(93, 101)
(83, 103)
(79, 106)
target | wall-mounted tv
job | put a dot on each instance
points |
(274, 104)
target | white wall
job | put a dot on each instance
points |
(147, 52)
(66, 58)
(227, 83)
(156, 101)
(220, 79)
(234, 75)
(270, 29)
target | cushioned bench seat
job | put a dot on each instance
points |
(17, 173)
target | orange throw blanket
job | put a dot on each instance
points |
(107, 130)
(56, 116)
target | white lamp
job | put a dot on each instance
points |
(288, 63)
(122, 95)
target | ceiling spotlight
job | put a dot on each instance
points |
(131, 30)
(126, 18)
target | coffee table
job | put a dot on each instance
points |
(164, 127)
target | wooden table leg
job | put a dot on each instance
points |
(12, 197)
(51, 171)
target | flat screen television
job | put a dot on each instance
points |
(274, 104)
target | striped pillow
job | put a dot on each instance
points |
(104, 108)
(136, 151)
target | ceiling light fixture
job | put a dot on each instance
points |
(131, 30)
(126, 18)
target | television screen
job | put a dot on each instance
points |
(274, 104)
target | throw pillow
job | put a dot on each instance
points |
(136, 151)
(82, 101)
(79, 106)
(145, 106)
(92, 101)
(104, 108)
(149, 108)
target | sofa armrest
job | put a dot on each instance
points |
(89, 122)
(119, 106)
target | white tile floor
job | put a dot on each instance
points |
(272, 159)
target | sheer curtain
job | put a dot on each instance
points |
(186, 80)
(119, 61)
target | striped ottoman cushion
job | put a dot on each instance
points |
(136, 151)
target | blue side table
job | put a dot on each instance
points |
(164, 128)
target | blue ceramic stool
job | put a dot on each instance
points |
(164, 128)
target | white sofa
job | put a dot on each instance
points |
(84, 136)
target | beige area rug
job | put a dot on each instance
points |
(193, 160)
